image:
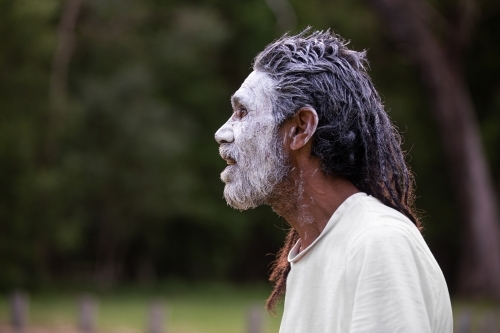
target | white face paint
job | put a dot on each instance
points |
(249, 142)
(303, 217)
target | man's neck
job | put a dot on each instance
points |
(308, 198)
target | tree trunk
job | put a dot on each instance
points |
(59, 76)
(454, 113)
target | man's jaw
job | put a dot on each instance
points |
(283, 198)
(251, 177)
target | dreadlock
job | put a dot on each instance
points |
(354, 138)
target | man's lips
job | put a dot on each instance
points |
(229, 161)
(226, 154)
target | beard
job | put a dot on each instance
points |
(261, 164)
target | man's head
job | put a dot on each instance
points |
(353, 137)
(318, 70)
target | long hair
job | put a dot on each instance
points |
(354, 138)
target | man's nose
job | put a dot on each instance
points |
(224, 135)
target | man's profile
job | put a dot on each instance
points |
(309, 137)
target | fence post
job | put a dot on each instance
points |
(87, 315)
(254, 319)
(464, 321)
(156, 318)
(19, 310)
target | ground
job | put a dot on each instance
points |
(209, 308)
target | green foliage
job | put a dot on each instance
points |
(131, 189)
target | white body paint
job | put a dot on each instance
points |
(251, 140)
(303, 216)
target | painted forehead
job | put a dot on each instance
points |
(255, 92)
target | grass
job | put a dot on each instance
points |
(203, 308)
(478, 315)
(190, 309)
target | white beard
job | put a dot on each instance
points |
(261, 164)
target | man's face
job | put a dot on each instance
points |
(251, 145)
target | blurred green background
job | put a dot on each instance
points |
(109, 173)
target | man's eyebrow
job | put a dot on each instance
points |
(236, 100)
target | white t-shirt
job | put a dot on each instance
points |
(369, 271)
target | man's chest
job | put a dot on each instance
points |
(318, 296)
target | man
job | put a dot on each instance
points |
(309, 137)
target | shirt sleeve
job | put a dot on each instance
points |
(386, 272)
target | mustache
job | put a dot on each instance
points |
(229, 151)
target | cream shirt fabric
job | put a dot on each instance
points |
(369, 271)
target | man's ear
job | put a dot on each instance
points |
(302, 127)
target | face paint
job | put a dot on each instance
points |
(303, 217)
(251, 145)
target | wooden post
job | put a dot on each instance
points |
(19, 311)
(254, 319)
(88, 307)
(156, 318)
(464, 322)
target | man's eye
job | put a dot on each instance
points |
(241, 112)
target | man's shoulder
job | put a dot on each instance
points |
(380, 224)
(385, 235)
(366, 223)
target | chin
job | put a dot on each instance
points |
(227, 175)
(238, 199)
(238, 205)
